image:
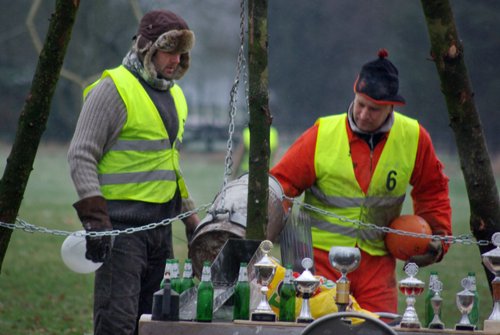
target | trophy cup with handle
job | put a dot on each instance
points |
(265, 269)
(344, 260)
(465, 301)
(411, 287)
(306, 284)
(436, 302)
(491, 260)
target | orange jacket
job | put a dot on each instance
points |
(296, 173)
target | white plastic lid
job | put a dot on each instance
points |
(73, 254)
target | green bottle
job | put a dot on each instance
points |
(429, 312)
(474, 313)
(167, 274)
(241, 309)
(175, 280)
(287, 297)
(205, 299)
(187, 276)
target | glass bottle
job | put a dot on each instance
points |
(287, 297)
(205, 298)
(167, 273)
(241, 310)
(187, 276)
(175, 280)
(429, 312)
(474, 313)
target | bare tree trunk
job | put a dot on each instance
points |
(448, 54)
(260, 120)
(34, 115)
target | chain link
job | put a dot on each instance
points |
(240, 68)
(462, 239)
(465, 239)
(30, 228)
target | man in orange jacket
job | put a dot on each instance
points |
(358, 165)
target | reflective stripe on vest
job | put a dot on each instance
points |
(337, 191)
(142, 165)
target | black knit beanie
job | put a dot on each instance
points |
(378, 81)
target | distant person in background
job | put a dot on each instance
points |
(242, 154)
(358, 165)
(124, 164)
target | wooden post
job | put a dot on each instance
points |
(447, 52)
(34, 116)
(260, 120)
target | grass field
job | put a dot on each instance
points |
(39, 295)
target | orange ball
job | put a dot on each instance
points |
(403, 247)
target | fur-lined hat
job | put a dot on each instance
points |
(163, 30)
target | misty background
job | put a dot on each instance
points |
(316, 49)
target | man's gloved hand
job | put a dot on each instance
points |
(433, 254)
(191, 222)
(93, 213)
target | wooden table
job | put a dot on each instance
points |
(150, 327)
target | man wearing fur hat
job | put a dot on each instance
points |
(124, 162)
(358, 165)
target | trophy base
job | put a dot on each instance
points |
(342, 307)
(491, 325)
(436, 326)
(263, 316)
(410, 325)
(347, 321)
(460, 326)
(305, 320)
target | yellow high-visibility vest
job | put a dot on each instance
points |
(142, 165)
(337, 191)
(273, 146)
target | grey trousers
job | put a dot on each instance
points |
(125, 283)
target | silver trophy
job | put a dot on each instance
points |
(344, 260)
(436, 302)
(306, 284)
(411, 287)
(465, 301)
(265, 270)
(491, 260)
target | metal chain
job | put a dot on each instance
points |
(240, 67)
(30, 228)
(463, 239)
(21, 224)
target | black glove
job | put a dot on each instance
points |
(191, 222)
(93, 213)
(433, 254)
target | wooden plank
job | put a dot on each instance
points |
(150, 327)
